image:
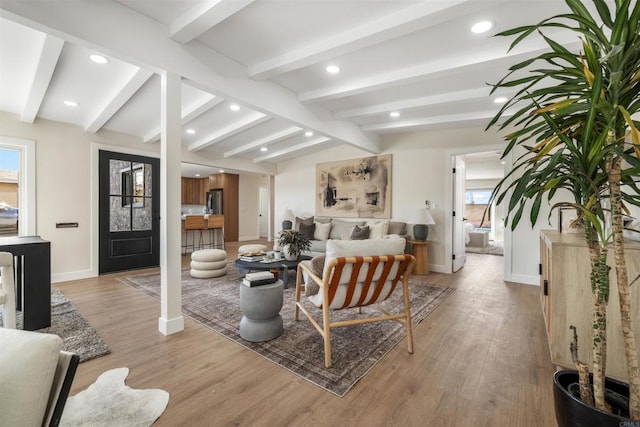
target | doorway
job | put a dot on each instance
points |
(263, 212)
(475, 176)
(129, 212)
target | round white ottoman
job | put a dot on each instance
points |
(252, 248)
(208, 263)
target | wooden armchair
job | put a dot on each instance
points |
(357, 281)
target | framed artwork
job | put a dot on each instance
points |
(359, 188)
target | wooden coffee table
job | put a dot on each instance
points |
(281, 267)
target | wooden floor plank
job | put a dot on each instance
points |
(480, 359)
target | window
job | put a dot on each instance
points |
(17, 187)
(478, 197)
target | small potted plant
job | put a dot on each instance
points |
(292, 243)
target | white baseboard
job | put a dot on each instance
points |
(524, 279)
(73, 275)
(171, 326)
(437, 268)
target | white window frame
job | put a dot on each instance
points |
(26, 182)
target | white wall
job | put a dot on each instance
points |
(420, 169)
(64, 186)
(249, 206)
(65, 181)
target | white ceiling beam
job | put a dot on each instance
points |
(398, 24)
(406, 125)
(92, 23)
(198, 108)
(51, 49)
(409, 104)
(428, 70)
(291, 149)
(201, 18)
(119, 98)
(247, 122)
(265, 141)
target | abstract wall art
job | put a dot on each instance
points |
(359, 188)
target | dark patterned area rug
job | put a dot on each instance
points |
(78, 336)
(355, 349)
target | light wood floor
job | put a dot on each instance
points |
(480, 359)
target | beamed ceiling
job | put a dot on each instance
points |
(267, 57)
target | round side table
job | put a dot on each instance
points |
(260, 306)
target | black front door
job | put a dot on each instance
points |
(129, 206)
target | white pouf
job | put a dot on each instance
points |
(209, 255)
(208, 263)
(252, 248)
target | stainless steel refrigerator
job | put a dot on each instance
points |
(214, 202)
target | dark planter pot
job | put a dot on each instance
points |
(572, 412)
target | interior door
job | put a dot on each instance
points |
(459, 187)
(129, 206)
(264, 212)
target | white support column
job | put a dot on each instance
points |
(171, 320)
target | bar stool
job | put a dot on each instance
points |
(215, 222)
(195, 224)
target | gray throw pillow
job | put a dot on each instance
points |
(317, 267)
(360, 233)
(308, 230)
(300, 221)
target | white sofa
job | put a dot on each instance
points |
(341, 229)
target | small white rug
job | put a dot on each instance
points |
(109, 402)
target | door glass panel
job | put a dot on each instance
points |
(119, 216)
(147, 180)
(130, 196)
(115, 175)
(142, 215)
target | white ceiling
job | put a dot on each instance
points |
(269, 56)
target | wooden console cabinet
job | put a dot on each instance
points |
(565, 294)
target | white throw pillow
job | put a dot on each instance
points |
(322, 231)
(377, 229)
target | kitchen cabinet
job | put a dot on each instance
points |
(193, 192)
(565, 295)
(230, 184)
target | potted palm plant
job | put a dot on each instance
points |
(571, 125)
(293, 243)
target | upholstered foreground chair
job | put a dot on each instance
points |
(353, 281)
(7, 290)
(35, 378)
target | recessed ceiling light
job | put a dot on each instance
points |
(308, 133)
(98, 59)
(70, 103)
(394, 114)
(481, 27)
(333, 69)
(500, 100)
(221, 171)
(264, 149)
(197, 175)
(234, 107)
(191, 131)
